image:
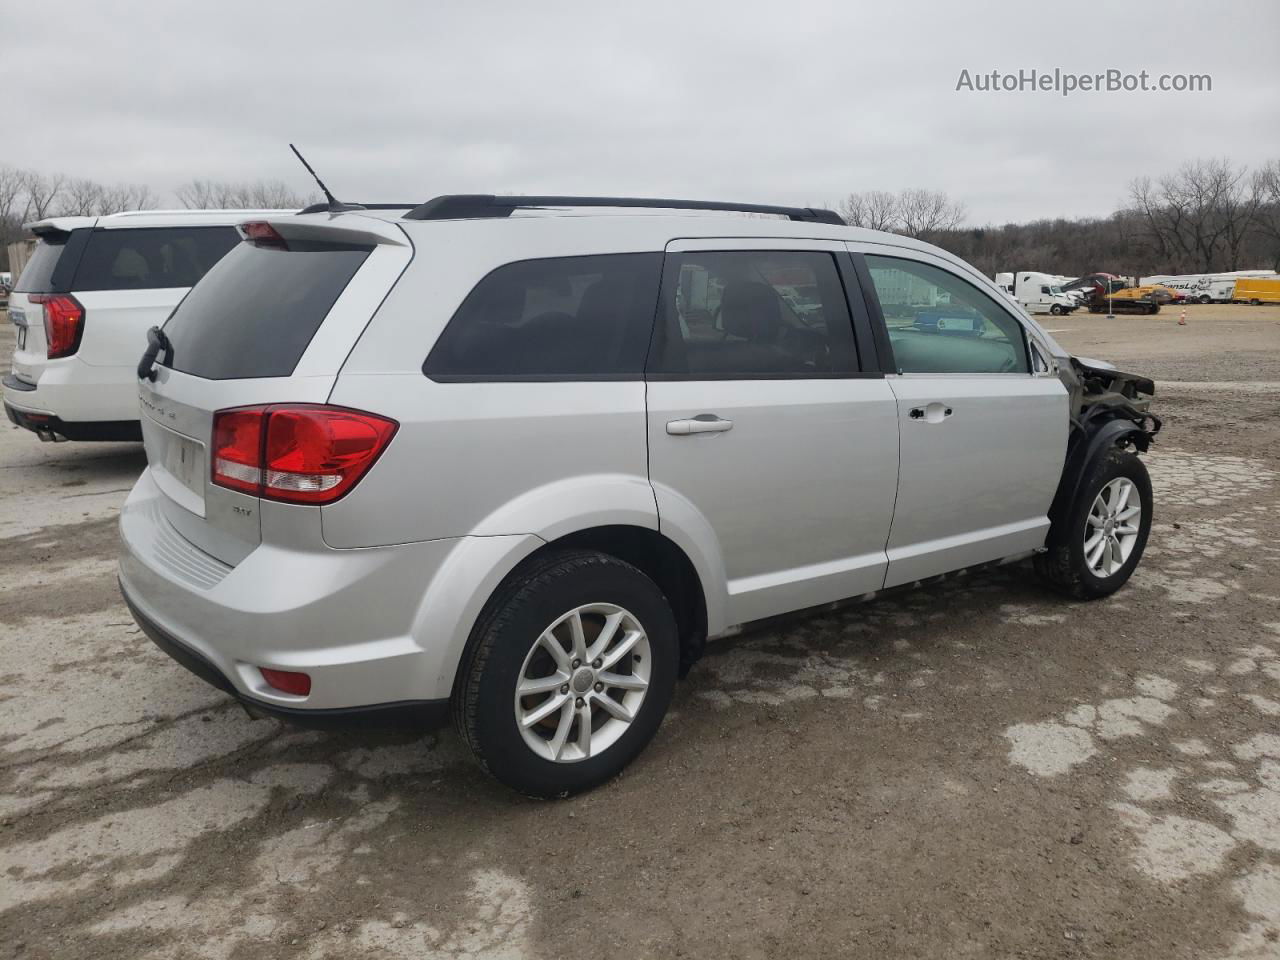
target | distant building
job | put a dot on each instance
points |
(19, 254)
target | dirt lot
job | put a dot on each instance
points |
(973, 769)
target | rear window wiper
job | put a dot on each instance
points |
(157, 341)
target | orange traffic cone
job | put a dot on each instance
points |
(1182, 320)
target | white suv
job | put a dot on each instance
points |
(486, 457)
(82, 307)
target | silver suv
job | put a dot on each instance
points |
(515, 459)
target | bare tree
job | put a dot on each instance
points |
(12, 186)
(127, 196)
(875, 210)
(221, 195)
(1199, 217)
(42, 192)
(923, 213)
(82, 198)
(1266, 220)
(13, 183)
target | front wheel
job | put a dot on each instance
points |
(568, 674)
(1056, 310)
(1094, 550)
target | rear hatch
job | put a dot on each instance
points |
(271, 323)
(47, 274)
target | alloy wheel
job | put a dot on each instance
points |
(1112, 528)
(582, 683)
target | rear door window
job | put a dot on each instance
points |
(255, 312)
(754, 313)
(151, 258)
(559, 318)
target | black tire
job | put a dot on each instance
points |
(1063, 565)
(1056, 310)
(528, 602)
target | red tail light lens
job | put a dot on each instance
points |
(63, 323)
(237, 449)
(287, 681)
(296, 453)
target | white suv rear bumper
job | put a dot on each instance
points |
(78, 393)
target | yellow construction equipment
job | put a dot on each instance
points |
(1144, 299)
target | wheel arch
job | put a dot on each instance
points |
(1085, 447)
(660, 559)
(654, 554)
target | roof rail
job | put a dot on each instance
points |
(468, 206)
(356, 207)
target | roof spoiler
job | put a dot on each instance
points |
(481, 205)
(43, 229)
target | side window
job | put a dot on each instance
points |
(151, 258)
(561, 318)
(939, 323)
(754, 313)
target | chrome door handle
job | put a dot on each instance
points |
(933, 413)
(702, 423)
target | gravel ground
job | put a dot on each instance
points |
(977, 768)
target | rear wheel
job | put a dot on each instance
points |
(1094, 550)
(569, 673)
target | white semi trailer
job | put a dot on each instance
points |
(1207, 287)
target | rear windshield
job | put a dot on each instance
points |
(37, 275)
(255, 312)
(152, 258)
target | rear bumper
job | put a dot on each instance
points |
(372, 627)
(416, 713)
(79, 395)
(49, 425)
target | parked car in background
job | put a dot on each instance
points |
(82, 307)
(444, 461)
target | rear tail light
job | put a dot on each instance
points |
(63, 323)
(287, 681)
(296, 453)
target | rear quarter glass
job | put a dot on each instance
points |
(256, 310)
(53, 263)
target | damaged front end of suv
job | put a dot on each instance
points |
(1090, 541)
(1101, 395)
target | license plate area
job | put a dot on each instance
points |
(178, 464)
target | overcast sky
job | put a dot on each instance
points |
(785, 102)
